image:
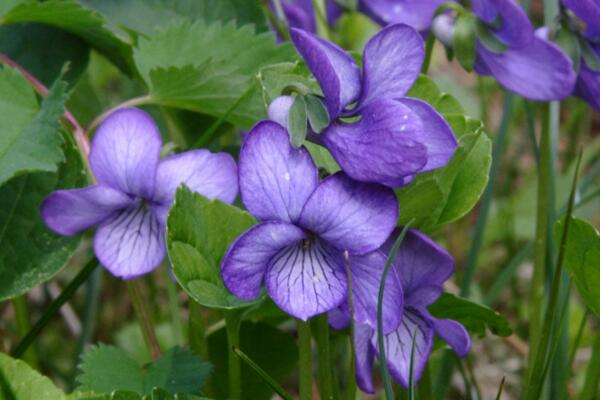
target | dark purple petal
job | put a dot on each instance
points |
(125, 152)
(589, 12)
(539, 71)
(307, 278)
(351, 215)
(68, 212)
(243, 267)
(131, 243)
(515, 30)
(279, 110)
(422, 267)
(213, 175)
(417, 14)
(392, 62)
(385, 146)
(299, 14)
(438, 136)
(333, 11)
(339, 318)
(399, 345)
(364, 357)
(454, 334)
(588, 86)
(275, 178)
(366, 273)
(334, 69)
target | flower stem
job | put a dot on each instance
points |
(140, 307)
(23, 326)
(305, 360)
(429, 44)
(53, 308)
(321, 333)
(351, 385)
(136, 101)
(233, 322)
(592, 376)
(321, 18)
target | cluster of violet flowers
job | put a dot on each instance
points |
(313, 233)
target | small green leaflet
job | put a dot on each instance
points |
(297, 123)
(582, 258)
(199, 231)
(317, 113)
(105, 369)
(18, 381)
(464, 39)
(590, 57)
(475, 317)
(570, 43)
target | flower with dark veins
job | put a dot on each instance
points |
(522, 62)
(306, 225)
(421, 266)
(375, 134)
(134, 192)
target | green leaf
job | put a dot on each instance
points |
(199, 231)
(144, 16)
(570, 43)
(18, 381)
(105, 369)
(489, 39)
(273, 349)
(226, 57)
(44, 50)
(465, 39)
(475, 317)
(283, 78)
(37, 147)
(318, 116)
(79, 20)
(590, 57)
(29, 252)
(297, 121)
(322, 158)
(582, 258)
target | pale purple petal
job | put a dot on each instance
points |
(275, 179)
(367, 271)
(351, 215)
(515, 29)
(125, 152)
(131, 243)
(399, 345)
(539, 71)
(385, 146)
(438, 136)
(422, 267)
(244, 266)
(334, 69)
(338, 318)
(307, 278)
(68, 212)
(417, 14)
(392, 62)
(364, 357)
(279, 110)
(213, 175)
(454, 334)
(589, 12)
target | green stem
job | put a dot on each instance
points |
(321, 333)
(53, 308)
(23, 325)
(176, 323)
(351, 385)
(592, 376)
(541, 235)
(136, 101)
(304, 360)
(140, 307)
(233, 323)
(577, 339)
(428, 52)
(488, 194)
(322, 24)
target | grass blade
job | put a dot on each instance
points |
(263, 374)
(501, 388)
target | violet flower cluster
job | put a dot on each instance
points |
(134, 191)
(395, 137)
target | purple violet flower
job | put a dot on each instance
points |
(395, 137)
(134, 192)
(306, 225)
(301, 13)
(530, 66)
(422, 267)
(588, 80)
(415, 13)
